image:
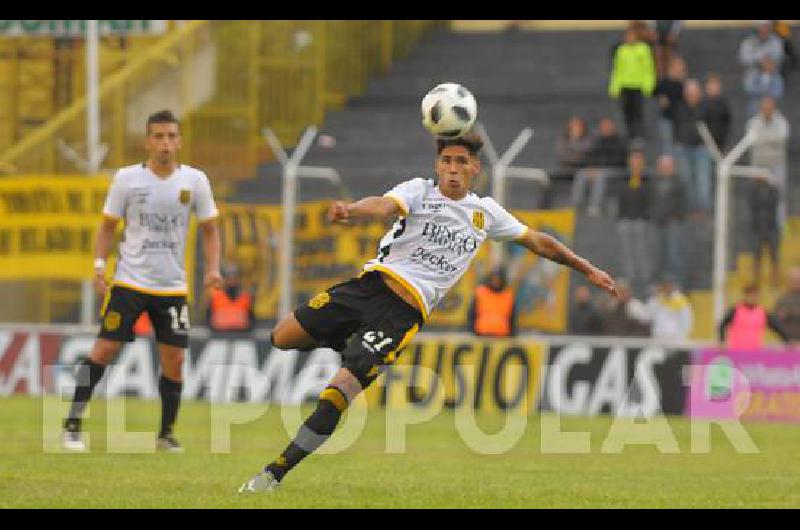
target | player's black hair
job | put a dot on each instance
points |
(162, 116)
(471, 141)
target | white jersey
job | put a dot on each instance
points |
(156, 213)
(431, 246)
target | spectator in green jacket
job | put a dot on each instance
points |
(633, 77)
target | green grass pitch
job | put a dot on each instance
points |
(437, 469)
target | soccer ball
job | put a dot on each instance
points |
(449, 110)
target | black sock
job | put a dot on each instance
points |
(87, 377)
(313, 433)
(170, 392)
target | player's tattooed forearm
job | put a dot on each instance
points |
(561, 257)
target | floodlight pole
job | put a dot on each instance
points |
(292, 170)
(92, 145)
(289, 200)
(725, 170)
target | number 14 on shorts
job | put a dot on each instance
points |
(180, 320)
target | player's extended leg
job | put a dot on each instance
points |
(90, 372)
(383, 324)
(170, 385)
(315, 431)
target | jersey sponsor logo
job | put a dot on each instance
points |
(453, 240)
(433, 261)
(320, 300)
(159, 245)
(433, 205)
(112, 321)
(185, 196)
(159, 222)
(478, 220)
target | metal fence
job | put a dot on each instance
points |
(225, 80)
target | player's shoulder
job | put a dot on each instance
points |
(194, 172)
(413, 186)
(133, 169)
(487, 202)
(418, 182)
(129, 174)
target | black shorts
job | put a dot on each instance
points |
(364, 320)
(168, 314)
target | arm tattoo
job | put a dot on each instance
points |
(555, 251)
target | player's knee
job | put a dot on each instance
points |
(362, 372)
(336, 397)
(104, 351)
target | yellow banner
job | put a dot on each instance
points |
(35, 196)
(48, 225)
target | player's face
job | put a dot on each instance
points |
(456, 167)
(163, 142)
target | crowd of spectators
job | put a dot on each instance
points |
(656, 201)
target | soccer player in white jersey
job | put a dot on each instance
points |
(155, 199)
(439, 229)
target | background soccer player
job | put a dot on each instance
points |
(155, 199)
(439, 230)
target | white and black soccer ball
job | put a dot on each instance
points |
(449, 110)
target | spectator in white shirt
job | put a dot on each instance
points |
(670, 312)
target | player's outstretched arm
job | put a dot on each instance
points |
(549, 247)
(377, 208)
